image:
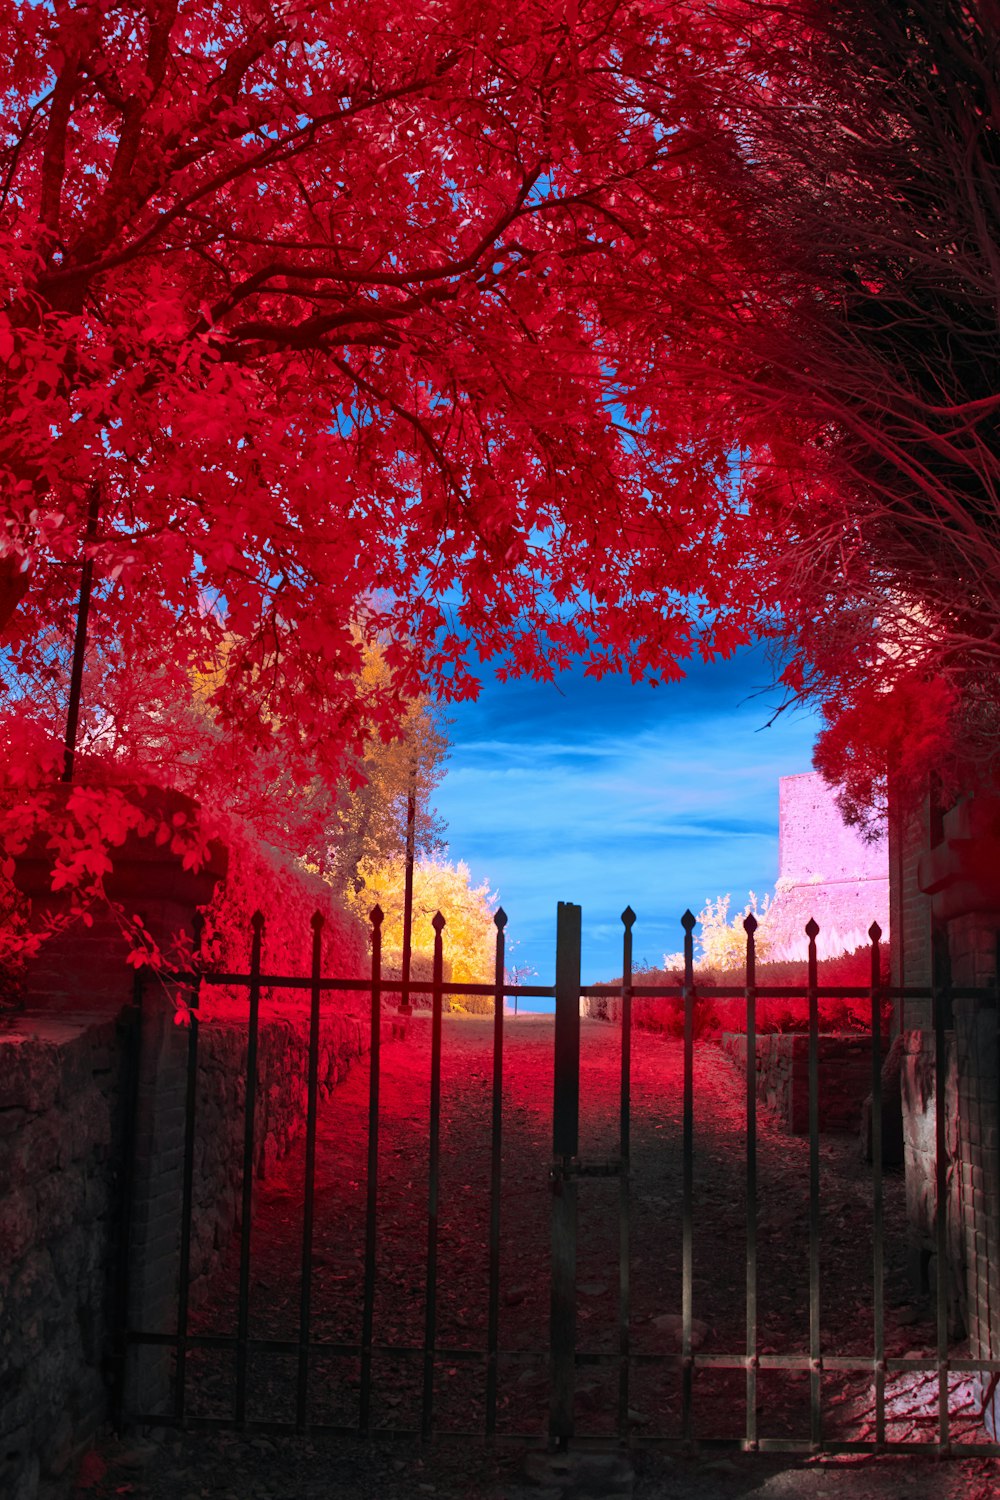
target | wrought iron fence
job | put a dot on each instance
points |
(566, 1171)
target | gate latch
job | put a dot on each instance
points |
(564, 1167)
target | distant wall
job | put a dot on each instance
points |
(814, 842)
(826, 871)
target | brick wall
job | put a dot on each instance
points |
(919, 1094)
(978, 1181)
(910, 832)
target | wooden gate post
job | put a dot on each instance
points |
(565, 1142)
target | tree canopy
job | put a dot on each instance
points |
(622, 329)
(340, 318)
(865, 351)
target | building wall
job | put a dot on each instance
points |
(826, 871)
(910, 833)
(814, 842)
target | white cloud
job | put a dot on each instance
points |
(682, 809)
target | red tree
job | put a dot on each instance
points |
(445, 327)
(863, 351)
(335, 315)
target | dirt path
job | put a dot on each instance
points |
(195, 1466)
(655, 1260)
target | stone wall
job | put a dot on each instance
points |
(845, 1077)
(971, 1164)
(282, 1070)
(845, 1069)
(62, 1155)
(61, 1147)
(920, 1158)
(946, 870)
(825, 871)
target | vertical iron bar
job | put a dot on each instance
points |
(815, 1365)
(624, 1189)
(941, 1220)
(878, 1274)
(493, 1314)
(750, 927)
(565, 1144)
(243, 1325)
(687, 1246)
(430, 1323)
(371, 1186)
(80, 638)
(190, 1097)
(309, 1186)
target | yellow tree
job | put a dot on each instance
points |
(369, 823)
(438, 885)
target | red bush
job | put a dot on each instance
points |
(264, 879)
(714, 1014)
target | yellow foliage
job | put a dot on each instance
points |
(724, 942)
(469, 937)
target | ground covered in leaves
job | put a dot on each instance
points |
(277, 1468)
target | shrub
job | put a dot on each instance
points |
(714, 1014)
(263, 878)
(723, 941)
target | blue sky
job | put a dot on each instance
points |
(608, 794)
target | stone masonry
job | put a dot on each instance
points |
(62, 1156)
(946, 866)
(826, 871)
(66, 1150)
(61, 1146)
(782, 1070)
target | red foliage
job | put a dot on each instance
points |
(446, 324)
(714, 1014)
(862, 352)
(263, 879)
(900, 730)
(81, 827)
(91, 1471)
(343, 313)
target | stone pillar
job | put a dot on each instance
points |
(961, 874)
(911, 832)
(155, 1207)
(82, 972)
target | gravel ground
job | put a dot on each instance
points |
(194, 1465)
(232, 1468)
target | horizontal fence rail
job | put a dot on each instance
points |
(567, 1170)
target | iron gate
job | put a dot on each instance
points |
(568, 1170)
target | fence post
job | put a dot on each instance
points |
(565, 1141)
